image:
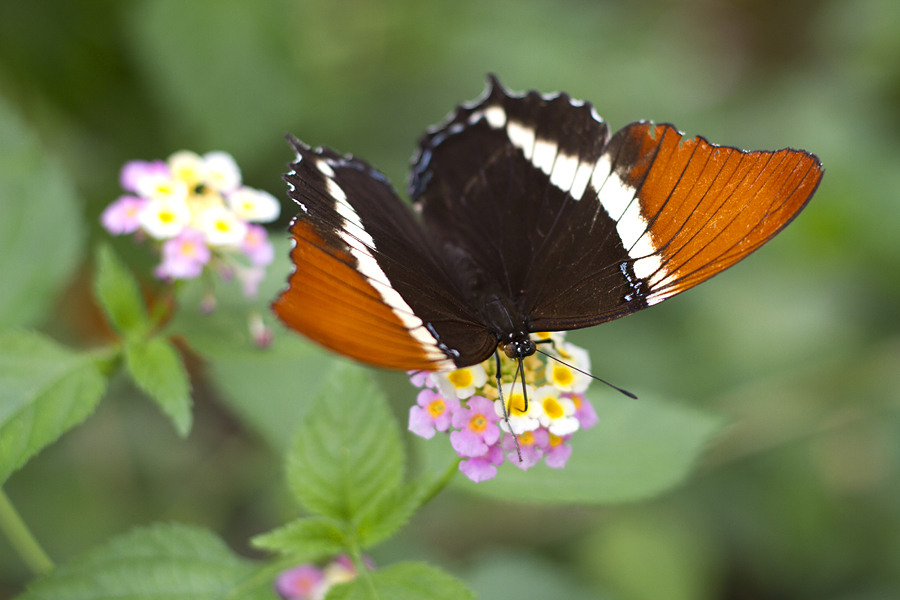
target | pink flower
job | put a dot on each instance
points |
(432, 413)
(183, 256)
(300, 583)
(121, 216)
(584, 411)
(257, 247)
(559, 452)
(261, 335)
(532, 445)
(478, 427)
(249, 278)
(421, 379)
(135, 171)
(483, 467)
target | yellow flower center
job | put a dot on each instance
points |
(222, 226)
(526, 439)
(187, 249)
(516, 403)
(461, 378)
(553, 408)
(555, 440)
(166, 216)
(436, 407)
(563, 375)
(478, 423)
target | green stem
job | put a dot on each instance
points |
(22, 539)
(441, 482)
(362, 569)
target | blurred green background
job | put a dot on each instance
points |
(798, 347)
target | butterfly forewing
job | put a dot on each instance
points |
(703, 207)
(505, 182)
(368, 283)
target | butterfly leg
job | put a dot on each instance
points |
(503, 402)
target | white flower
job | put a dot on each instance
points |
(165, 218)
(188, 167)
(255, 206)
(166, 189)
(461, 383)
(563, 376)
(555, 413)
(521, 419)
(557, 337)
(221, 227)
(221, 172)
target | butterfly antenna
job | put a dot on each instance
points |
(503, 404)
(604, 382)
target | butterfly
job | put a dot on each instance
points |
(527, 216)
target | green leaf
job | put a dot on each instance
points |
(348, 449)
(157, 369)
(391, 511)
(162, 561)
(501, 575)
(639, 449)
(404, 581)
(306, 539)
(41, 226)
(45, 390)
(119, 294)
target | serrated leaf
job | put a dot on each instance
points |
(404, 581)
(639, 448)
(119, 294)
(157, 369)
(305, 539)
(45, 389)
(391, 511)
(41, 226)
(348, 449)
(162, 561)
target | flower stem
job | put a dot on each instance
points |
(22, 539)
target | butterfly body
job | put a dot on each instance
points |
(526, 216)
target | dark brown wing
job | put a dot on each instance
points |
(367, 282)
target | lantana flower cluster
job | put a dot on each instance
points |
(199, 212)
(466, 404)
(309, 582)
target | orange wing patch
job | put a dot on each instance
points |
(708, 206)
(330, 302)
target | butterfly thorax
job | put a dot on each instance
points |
(508, 326)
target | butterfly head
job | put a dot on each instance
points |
(518, 348)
